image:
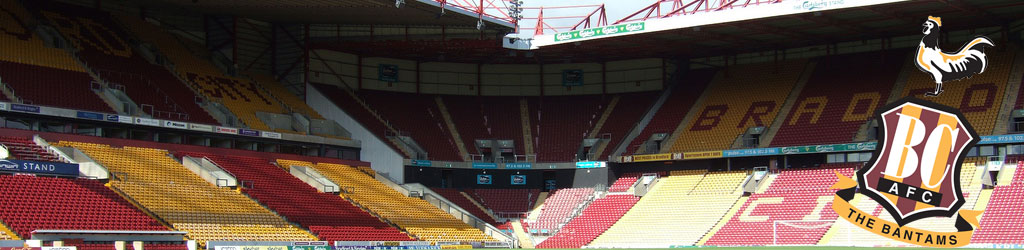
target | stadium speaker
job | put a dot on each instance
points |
(480, 25)
(399, 3)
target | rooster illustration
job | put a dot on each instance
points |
(945, 67)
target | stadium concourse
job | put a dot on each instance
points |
(363, 124)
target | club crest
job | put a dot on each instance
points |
(915, 171)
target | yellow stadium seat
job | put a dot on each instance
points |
(185, 200)
(416, 216)
(679, 210)
(27, 47)
(736, 100)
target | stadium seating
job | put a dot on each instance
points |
(839, 98)
(627, 112)
(594, 220)
(360, 113)
(795, 195)
(419, 218)
(677, 211)
(1001, 222)
(489, 117)
(242, 96)
(105, 48)
(671, 113)
(186, 201)
(561, 123)
(624, 182)
(979, 98)
(35, 85)
(281, 93)
(70, 204)
(739, 100)
(417, 115)
(26, 149)
(558, 207)
(32, 70)
(329, 216)
(506, 202)
(20, 44)
(456, 197)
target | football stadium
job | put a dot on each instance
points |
(549, 124)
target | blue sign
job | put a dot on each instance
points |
(90, 115)
(518, 179)
(750, 152)
(483, 179)
(112, 118)
(24, 108)
(421, 163)
(39, 167)
(1001, 139)
(485, 165)
(519, 165)
(590, 164)
(248, 132)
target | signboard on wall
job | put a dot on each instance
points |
(483, 179)
(572, 77)
(518, 179)
(39, 167)
(387, 72)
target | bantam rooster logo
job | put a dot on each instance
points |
(945, 67)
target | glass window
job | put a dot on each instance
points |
(987, 150)
(853, 157)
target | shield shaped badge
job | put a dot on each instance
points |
(915, 171)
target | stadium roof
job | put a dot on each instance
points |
(382, 12)
(762, 34)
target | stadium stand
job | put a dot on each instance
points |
(457, 197)
(672, 111)
(979, 98)
(592, 221)
(839, 98)
(417, 115)
(1001, 222)
(328, 216)
(35, 84)
(806, 196)
(508, 203)
(624, 182)
(362, 114)
(19, 44)
(627, 112)
(486, 118)
(678, 199)
(26, 149)
(561, 123)
(736, 101)
(278, 90)
(559, 206)
(70, 204)
(106, 49)
(419, 218)
(186, 201)
(32, 70)
(242, 96)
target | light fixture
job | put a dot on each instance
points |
(399, 3)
